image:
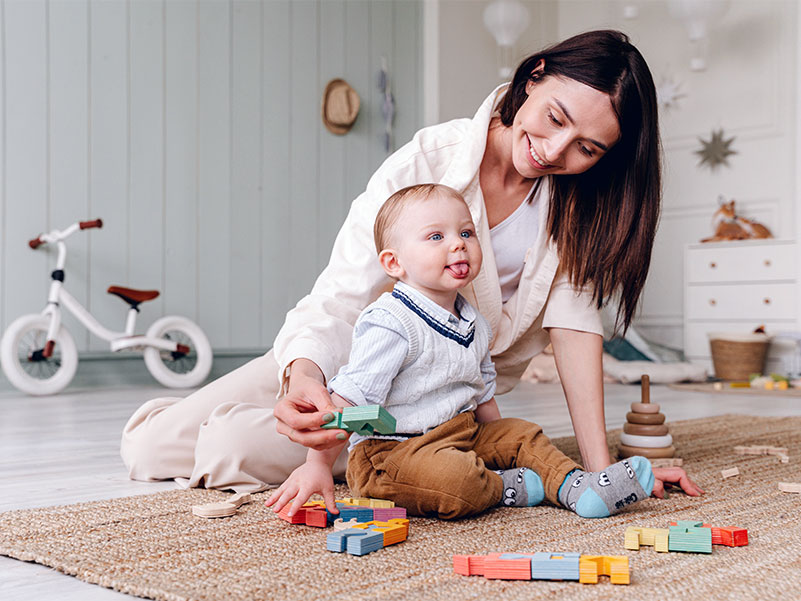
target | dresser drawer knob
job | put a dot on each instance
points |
(767, 263)
(712, 265)
(712, 302)
(766, 300)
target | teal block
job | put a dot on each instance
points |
(690, 539)
(372, 419)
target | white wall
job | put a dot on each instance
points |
(192, 127)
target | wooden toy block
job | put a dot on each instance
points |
(555, 566)
(614, 566)
(794, 487)
(730, 472)
(648, 419)
(363, 420)
(507, 566)
(222, 509)
(469, 565)
(384, 514)
(393, 531)
(298, 518)
(340, 524)
(643, 430)
(355, 541)
(667, 462)
(690, 539)
(346, 512)
(365, 502)
(730, 536)
(627, 451)
(317, 516)
(651, 537)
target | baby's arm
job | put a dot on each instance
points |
(314, 476)
(487, 410)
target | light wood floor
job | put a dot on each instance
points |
(64, 449)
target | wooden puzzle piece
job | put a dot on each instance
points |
(730, 472)
(544, 566)
(364, 420)
(690, 538)
(555, 566)
(667, 462)
(730, 536)
(794, 487)
(651, 537)
(355, 541)
(394, 531)
(222, 509)
(340, 524)
(614, 566)
(315, 513)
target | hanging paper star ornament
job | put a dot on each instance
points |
(715, 151)
(668, 93)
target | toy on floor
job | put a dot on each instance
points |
(372, 419)
(369, 536)
(314, 513)
(645, 432)
(221, 509)
(544, 566)
(667, 462)
(790, 487)
(730, 472)
(780, 452)
(688, 536)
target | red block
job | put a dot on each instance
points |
(507, 569)
(469, 565)
(316, 516)
(298, 518)
(733, 537)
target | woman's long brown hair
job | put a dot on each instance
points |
(603, 221)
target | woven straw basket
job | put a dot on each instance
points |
(737, 356)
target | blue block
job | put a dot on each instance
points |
(367, 542)
(545, 567)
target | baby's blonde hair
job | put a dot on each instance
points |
(391, 210)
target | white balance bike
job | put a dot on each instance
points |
(39, 356)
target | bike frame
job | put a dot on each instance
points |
(58, 296)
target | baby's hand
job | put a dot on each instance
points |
(311, 477)
(673, 475)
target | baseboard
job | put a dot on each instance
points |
(107, 370)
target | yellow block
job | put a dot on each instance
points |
(650, 537)
(614, 566)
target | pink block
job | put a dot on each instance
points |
(384, 514)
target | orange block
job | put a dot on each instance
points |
(469, 565)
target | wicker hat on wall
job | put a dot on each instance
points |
(340, 106)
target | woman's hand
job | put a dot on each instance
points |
(673, 475)
(307, 406)
(311, 477)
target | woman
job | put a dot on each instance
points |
(561, 173)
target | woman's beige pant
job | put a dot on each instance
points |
(222, 436)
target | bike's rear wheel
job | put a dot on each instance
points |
(179, 369)
(23, 363)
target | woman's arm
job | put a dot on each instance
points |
(579, 360)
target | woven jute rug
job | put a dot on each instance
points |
(152, 546)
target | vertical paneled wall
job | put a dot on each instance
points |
(192, 127)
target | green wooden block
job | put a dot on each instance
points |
(372, 419)
(690, 539)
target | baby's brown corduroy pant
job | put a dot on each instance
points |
(448, 472)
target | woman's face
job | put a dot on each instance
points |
(563, 128)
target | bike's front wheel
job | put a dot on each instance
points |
(23, 361)
(179, 369)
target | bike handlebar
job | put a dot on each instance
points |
(56, 236)
(85, 225)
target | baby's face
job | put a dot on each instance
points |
(436, 245)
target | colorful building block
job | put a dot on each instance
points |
(356, 541)
(555, 566)
(652, 537)
(544, 566)
(730, 536)
(364, 420)
(315, 513)
(690, 537)
(614, 566)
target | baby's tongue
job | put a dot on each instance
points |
(459, 268)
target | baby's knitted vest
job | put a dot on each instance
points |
(441, 375)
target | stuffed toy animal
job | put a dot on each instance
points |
(730, 226)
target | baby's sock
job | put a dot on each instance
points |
(522, 487)
(600, 494)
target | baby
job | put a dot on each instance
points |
(422, 351)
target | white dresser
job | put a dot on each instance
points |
(737, 286)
